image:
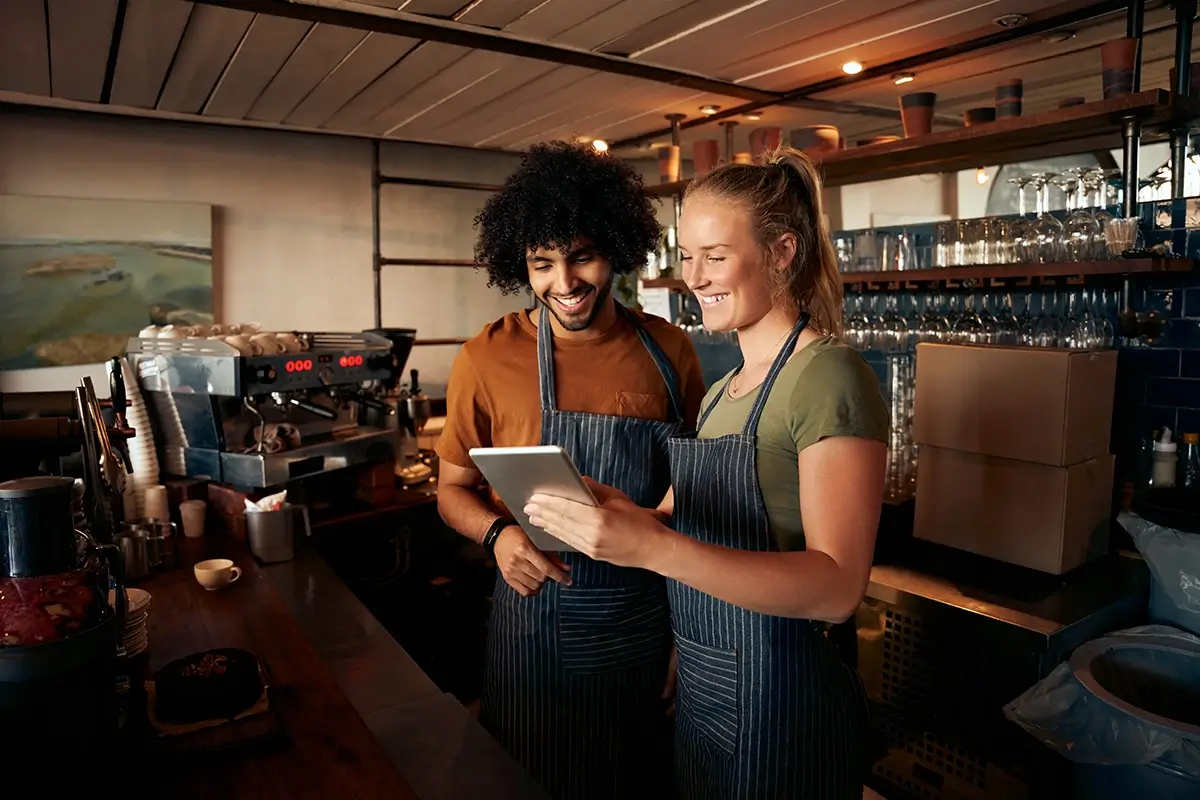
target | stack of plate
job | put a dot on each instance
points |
(137, 610)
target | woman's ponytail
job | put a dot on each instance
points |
(783, 195)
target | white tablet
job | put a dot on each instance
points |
(518, 473)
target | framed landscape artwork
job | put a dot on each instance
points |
(79, 277)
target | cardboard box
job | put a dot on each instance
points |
(1047, 406)
(1051, 519)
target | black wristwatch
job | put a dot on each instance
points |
(493, 533)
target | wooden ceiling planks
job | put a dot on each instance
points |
(722, 47)
(80, 35)
(149, 39)
(617, 21)
(373, 56)
(267, 45)
(575, 102)
(520, 105)
(440, 88)
(496, 84)
(433, 8)
(212, 36)
(323, 48)
(550, 20)
(422, 63)
(24, 49)
(905, 30)
(683, 17)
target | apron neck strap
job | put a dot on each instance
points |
(546, 379)
(764, 391)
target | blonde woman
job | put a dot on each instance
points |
(774, 504)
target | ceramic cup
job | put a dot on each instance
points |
(174, 332)
(291, 342)
(216, 573)
(269, 343)
(148, 332)
(243, 345)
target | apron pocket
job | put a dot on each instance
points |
(602, 629)
(709, 692)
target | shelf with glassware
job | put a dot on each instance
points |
(1081, 243)
(1084, 128)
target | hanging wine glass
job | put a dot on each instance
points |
(858, 326)
(893, 329)
(1071, 334)
(1028, 323)
(933, 322)
(1096, 182)
(987, 321)
(1048, 231)
(1020, 230)
(1046, 332)
(968, 328)
(1008, 329)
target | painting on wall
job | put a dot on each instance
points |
(79, 277)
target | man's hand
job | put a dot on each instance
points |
(524, 567)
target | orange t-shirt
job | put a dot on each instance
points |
(492, 396)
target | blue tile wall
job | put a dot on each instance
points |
(1157, 385)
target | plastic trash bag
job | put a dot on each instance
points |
(1069, 718)
(1174, 561)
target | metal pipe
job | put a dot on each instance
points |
(1185, 18)
(729, 125)
(377, 263)
(677, 200)
(1135, 21)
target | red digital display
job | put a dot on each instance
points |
(299, 365)
(350, 361)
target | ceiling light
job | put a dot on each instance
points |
(852, 67)
(1011, 20)
(754, 117)
(600, 145)
(981, 176)
(903, 77)
(1058, 37)
(708, 111)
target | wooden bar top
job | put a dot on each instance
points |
(329, 751)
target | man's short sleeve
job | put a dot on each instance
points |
(468, 418)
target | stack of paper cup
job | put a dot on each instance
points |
(192, 513)
(154, 503)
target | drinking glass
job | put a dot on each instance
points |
(1048, 231)
(1008, 329)
(1081, 231)
(968, 328)
(1046, 331)
(1020, 230)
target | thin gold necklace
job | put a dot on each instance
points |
(734, 391)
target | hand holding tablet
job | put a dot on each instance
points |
(518, 473)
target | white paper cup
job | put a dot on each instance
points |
(192, 513)
(154, 503)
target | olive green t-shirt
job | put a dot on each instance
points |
(826, 389)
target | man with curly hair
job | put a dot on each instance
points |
(577, 649)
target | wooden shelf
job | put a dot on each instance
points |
(1064, 131)
(987, 274)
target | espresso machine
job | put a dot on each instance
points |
(255, 421)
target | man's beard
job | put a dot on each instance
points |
(580, 323)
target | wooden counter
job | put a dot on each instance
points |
(330, 752)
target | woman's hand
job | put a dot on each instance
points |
(616, 530)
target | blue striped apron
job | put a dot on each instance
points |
(575, 674)
(767, 708)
